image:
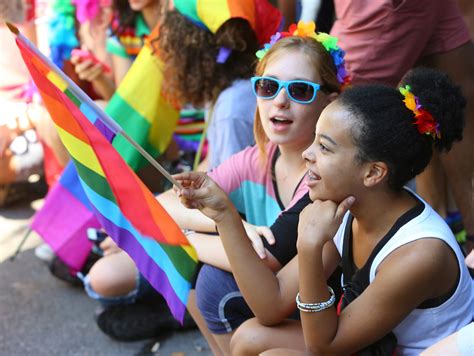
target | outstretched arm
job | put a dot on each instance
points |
(270, 296)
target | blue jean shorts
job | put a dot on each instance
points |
(142, 288)
(220, 301)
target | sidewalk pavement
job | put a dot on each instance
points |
(41, 315)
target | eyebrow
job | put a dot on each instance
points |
(298, 78)
(328, 139)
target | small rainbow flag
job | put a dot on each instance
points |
(122, 204)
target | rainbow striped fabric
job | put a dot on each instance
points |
(140, 107)
(149, 118)
(211, 14)
(122, 204)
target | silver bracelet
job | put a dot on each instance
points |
(316, 307)
(188, 232)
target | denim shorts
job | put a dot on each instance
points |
(142, 288)
(220, 301)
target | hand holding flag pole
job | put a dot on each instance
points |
(103, 117)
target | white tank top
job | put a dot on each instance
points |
(424, 327)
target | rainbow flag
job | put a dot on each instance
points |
(120, 201)
(149, 118)
(262, 16)
(142, 110)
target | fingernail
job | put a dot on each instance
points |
(351, 200)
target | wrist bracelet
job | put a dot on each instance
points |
(187, 232)
(316, 307)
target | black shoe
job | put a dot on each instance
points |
(61, 271)
(133, 322)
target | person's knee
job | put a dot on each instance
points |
(248, 339)
(108, 279)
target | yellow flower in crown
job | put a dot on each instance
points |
(410, 101)
(306, 29)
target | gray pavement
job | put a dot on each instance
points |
(41, 315)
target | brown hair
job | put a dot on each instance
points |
(189, 54)
(320, 59)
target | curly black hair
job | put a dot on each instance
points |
(384, 129)
(189, 54)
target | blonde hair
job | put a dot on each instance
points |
(319, 58)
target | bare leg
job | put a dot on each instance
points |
(459, 163)
(194, 311)
(223, 340)
(252, 338)
(113, 275)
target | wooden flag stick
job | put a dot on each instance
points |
(102, 116)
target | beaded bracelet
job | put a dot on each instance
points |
(316, 307)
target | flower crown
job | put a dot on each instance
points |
(424, 121)
(329, 42)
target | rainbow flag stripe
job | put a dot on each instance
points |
(143, 112)
(122, 204)
(211, 14)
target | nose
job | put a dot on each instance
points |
(308, 155)
(281, 99)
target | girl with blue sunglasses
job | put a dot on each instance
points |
(295, 79)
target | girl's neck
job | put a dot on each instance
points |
(291, 157)
(151, 14)
(377, 211)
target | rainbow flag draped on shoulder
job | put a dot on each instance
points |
(119, 200)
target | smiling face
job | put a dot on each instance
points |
(284, 121)
(334, 172)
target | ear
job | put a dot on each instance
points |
(375, 173)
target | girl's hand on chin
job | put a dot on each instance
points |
(320, 220)
(202, 193)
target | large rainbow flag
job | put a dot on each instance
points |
(120, 201)
(149, 118)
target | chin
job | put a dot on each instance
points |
(315, 195)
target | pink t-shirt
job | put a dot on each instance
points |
(251, 187)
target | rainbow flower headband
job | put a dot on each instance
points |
(425, 123)
(309, 30)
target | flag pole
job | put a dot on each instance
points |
(103, 117)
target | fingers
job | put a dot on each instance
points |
(343, 207)
(188, 177)
(257, 243)
(267, 233)
(86, 69)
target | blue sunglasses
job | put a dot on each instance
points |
(300, 91)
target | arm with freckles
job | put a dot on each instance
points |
(256, 280)
(406, 278)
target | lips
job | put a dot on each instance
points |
(313, 176)
(280, 120)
